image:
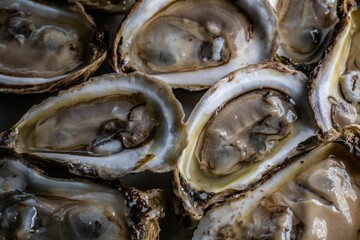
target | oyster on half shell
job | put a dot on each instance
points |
(335, 88)
(192, 44)
(110, 126)
(34, 206)
(242, 128)
(315, 195)
(305, 28)
(44, 47)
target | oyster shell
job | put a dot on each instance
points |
(334, 93)
(34, 206)
(237, 137)
(192, 44)
(305, 28)
(44, 47)
(313, 196)
(122, 6)
(112, 125)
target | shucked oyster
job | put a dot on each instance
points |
(243, 127)
(33, 206)
(44, 47)
(335, 88)
(305, 28)
(313, 196)
(192, 44)
(108, 127)
(108, 5)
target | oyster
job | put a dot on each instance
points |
(122, 6)
(192, 44)
(44, 47)
(113, 125)
(335, 88)
(305, 28)
(237, 137)
(34, 206)
(313, 196)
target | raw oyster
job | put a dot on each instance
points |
(305, 28)
(335, 87)
(122, 6)
(110, 126)
(313, 196)
(34, 206)
(192, 44)
(44, 47)
(243, 127)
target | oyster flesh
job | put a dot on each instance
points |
(335, 88)
(192, 44)
(34, 206)
(44, 47)
(110, 126)
(237, 137)
(305, 28)
(313, 196)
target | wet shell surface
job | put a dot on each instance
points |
(192, 44)
(305, 28)
(34, 206)
(110, 126)
(247, 136)
(46, 47)
(313, 196)
(335, 88)
(243, 127)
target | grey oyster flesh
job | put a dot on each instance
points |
(320, 203)
(245, 130)
(184, 39)
(41, 45)
(316, 197)
(36, 207)
(305, 28)
(347, 112)
(99, 127)
(344, 97)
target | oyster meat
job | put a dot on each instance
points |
(237, 137)
(43, 46)
(335, 87)
(305, 28)
(34, 206)
(192, 44)
(108, 127)
(313, 196)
